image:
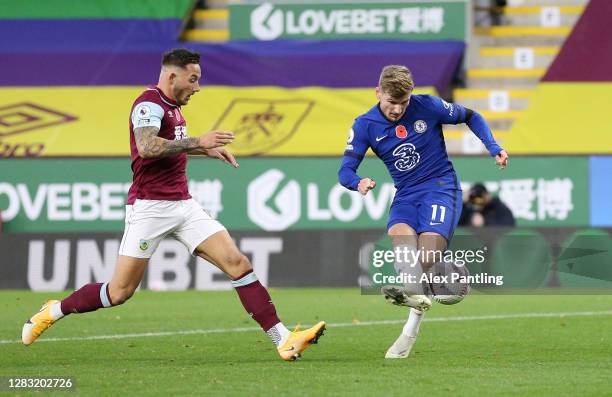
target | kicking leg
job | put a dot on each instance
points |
(90, 297)
(220, 250)
(412, 294)
(431, 245)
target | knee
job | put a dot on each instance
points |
(430, 257)
(237, 264)
(426, 264)
(118, 296)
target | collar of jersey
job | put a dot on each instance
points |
(163, 97)
(384, 118)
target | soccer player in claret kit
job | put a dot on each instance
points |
(405, 132)
(159, 205)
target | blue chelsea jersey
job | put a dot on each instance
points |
(413, 147)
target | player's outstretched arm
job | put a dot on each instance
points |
(150, 145)
(481, 129)
(451, 113)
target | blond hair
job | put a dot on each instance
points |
(396, 80)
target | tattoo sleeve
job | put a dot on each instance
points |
(150, 145)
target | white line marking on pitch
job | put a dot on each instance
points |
(333, 325)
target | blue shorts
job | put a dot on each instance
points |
(433, 206)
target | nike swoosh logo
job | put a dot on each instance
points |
(434, 223)
(380, 138)
(290, 350)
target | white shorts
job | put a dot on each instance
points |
(147, 222)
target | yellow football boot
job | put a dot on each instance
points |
(299, 341)
(38, 324)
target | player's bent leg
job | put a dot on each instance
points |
(220, 250)
(412, 294)
(126, 278)
(449, 292)
(432, 245)
(90, 297)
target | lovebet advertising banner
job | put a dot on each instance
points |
(275, 194)
(432, 20)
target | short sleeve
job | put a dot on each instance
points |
(147, 114)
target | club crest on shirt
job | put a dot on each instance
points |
(144, 245)
(420, 126)
(401, 132)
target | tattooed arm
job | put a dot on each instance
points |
(151, 146)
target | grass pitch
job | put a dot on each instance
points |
(203, 343)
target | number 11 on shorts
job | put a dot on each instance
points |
(434, 214)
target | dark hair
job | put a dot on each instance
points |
(478, 190)
(180, 57)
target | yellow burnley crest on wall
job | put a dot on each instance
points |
(271, 121)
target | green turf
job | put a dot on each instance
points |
(561, 355)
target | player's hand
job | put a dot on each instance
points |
(223, 155)
(365, 185)
(502, 159)
(215, 139)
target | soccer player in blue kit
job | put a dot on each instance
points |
(405, 132)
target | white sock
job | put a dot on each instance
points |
(411, 328)
(279, 334)
(56, 311)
